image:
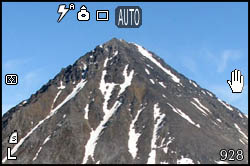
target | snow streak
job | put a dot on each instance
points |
(149, 66)
(147, 71)
(199, 108)
(240, 131)
(242, 141)
(161, 83)
(44, 142)
(57, 95)
(193, 83)
(183, 115)
(158, 118)
(145, 53)
(219, 120)
(240, 115)
(226, 105)
(133, 136)
(202, 106)
(210, 94)
(86, 109)
(152, 81)
(94, 134)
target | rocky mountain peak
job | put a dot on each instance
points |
(121, 103)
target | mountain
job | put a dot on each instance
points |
(120, 103)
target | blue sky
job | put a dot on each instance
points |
(203, 41)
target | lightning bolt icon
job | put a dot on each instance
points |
(63, 11)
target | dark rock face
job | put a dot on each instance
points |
(122, 104)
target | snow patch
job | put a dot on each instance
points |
(185, 160)
(145, 53)
(221, 162)
(161, 83)
(86, 109)
(219, 120)
(163, 162)
(240, 115)
(183, 115)
(149, 66)
(164, 96)
(46, 140)
(127, 81)
(193, 83)
(116, 53)
(226, 105)
(61, 86)
(133, 136)
(64, 116)
(147, 71)
(59, 124)
(152, 81)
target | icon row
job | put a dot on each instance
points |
(83, 14)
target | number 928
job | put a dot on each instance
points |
(231, 155)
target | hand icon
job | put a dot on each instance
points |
(237, 81)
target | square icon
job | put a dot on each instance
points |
(11, 79)
(98, 18)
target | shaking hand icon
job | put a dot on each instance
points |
(237, 81)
